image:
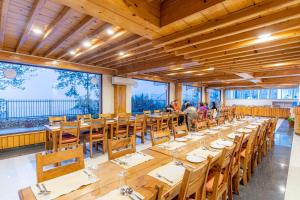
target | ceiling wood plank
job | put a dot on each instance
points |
(86, 20)
(174, 10)
(261, 22)
(4, 10)
(233, 18)
(51, 28)
(37, 6)
(277, 73)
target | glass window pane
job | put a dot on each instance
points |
(264, 94)
(215, 95)
(274, 93)
(149, 95)
(191, 94)
(29, 94)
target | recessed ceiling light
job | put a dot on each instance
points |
(187, 72)
(86, 43)
(55, 62)
(178, 68)
(278, 64)
(72, 52)
(121, 53)
(171, 74)
(109, 31)
(200, 74)
(209, 69)
(37, 31)
(264, 36)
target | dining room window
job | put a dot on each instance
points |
(149, 95)
(29, 94)
(191, 94)
(214, 96)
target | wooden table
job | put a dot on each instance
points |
(137, 176)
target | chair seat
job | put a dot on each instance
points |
(68, 138)
(210, 183)
(96, 135)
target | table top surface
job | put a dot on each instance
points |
(137, 176)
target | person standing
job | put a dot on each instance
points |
(191, 113)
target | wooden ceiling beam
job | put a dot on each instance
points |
(144, 67)
(77, 28)
(130, 15)
(91, 36)
(277, 73)
(3, 16)
(246, 14)
(36, 8)
(245, 36)
(51, 28)
(174, 10)
(47, 62)
(115, 52)
(110, 48)
(249, 26)
(210, 78)
(291, 79)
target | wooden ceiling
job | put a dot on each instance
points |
(216, 43)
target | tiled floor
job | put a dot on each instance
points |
(267, 183)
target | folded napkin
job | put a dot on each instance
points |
(170, 173)
(116, 195)
(171, 145)
(203, 152)
(232, 135)
(64, 184)
(131, 160)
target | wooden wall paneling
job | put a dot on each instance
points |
(120, 98)
(178, 93)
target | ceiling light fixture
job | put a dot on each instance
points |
(72, 52)
(178, 68)
(171, 74)
(209, 69)
(109, 31)
(86, 44)
(37, 31)
(188, 72)
(278, 64)
(121, 53)
(264, 37)
(200, 74)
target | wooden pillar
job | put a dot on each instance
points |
(223, 97)
(206, 96)
(120, 99)
(178, 93)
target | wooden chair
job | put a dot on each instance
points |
(221, 121)
(161, 136)
(234, 172)
(271, 133)
(139, 126)
(147, 112)
(107, 116)
(173, 121)
(43, 160)
(262, 142)
(180, 131)
(193, 183)
(86, 118)
(52, 122)
(217, 184)
(69, 135)
(121, 127)
(164, 121)
(120, 147)
(246, 157)
(123, 115)
(201, 125)
(156, 111)
(97, 134)
(257, 146)
(211, 123)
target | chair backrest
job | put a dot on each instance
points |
(211, 123)
(57, 120)
(164, 121)
(193, 182)
(147, 112)
(139, 123)
(201, 124)
(43, 160)
(160, 136)
(87, 117)
(122, 125)
(222, 168)
(98, 125)
(107, 116)
(157, 111)
(237, 151)
(123, 115)
(120, 147)
(180, 131)
(221, 120)
(250, 144)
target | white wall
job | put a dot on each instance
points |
(107, 94)
(249, 102)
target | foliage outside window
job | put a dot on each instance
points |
(29, 94)
(191, 94)
(268, 93)
(149, 95)
(214, 95)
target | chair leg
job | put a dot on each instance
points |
(230, 190)
(249, 171)
(143, 137)
(91, 149)
(236, 181)
(224, 196)
(104, 146)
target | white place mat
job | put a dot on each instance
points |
(232, 135)
(64, 184)
(131, 160)
(197, 133)
(204, 152)
(251, 127)
(116, 195)
(171, 173)
(55, 127)
(225, 143)
(244, 130)
(210, 132)
(172, 145)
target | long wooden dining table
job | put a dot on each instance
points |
(137, 177)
